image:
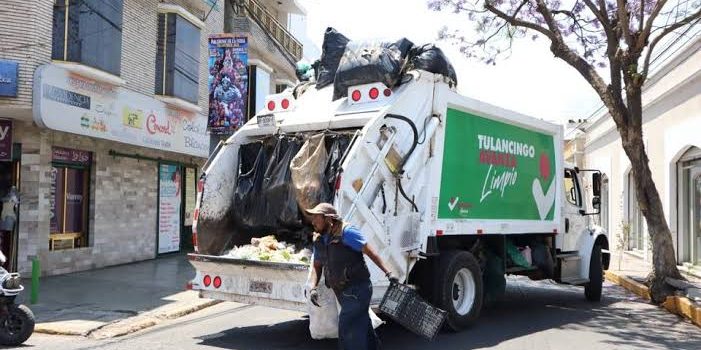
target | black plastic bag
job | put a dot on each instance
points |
(332, 50)
(432, 59)
(364, 63)
(281, 209)
(336, 146)
(246, 209)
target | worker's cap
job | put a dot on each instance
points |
(324, 209)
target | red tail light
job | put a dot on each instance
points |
(207, 280)
(388, 92)
(374, 93)
(217, 282)
(356, 95)
(337, 185)
(285, 103)
(271, 106)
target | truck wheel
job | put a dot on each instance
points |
(592, 290)
(460, 289)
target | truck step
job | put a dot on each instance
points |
(575, 281)
(571, 256)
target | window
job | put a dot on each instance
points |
(636, 225)
(689, 187)
(88, 32)
(177, 58)
(69, 199)
(571, 190)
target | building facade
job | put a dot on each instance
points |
(672, 120)
(105, 108)
(273, 50)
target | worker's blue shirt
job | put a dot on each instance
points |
(350, 236)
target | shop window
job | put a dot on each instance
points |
(177, 57)
(635, 221)
(279, 88)
(88, 32)
(69, 199)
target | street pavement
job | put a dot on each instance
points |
(532, 315)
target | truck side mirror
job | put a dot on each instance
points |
(596, 202)
(596, 184)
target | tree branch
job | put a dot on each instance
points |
(550, 21)
(647, 29)
(694, 17)
(624, 23)
(517, 22)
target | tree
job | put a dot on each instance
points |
(613, 36)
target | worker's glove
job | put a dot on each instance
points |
(391, 277)
(314, 297)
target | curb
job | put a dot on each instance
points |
(127, 325)
(150, 319)
(677, 305)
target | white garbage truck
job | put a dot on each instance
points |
(453, 193)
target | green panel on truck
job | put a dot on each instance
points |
(494, 170)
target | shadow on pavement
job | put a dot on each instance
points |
(619, 320)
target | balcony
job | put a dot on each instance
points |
(273, 28)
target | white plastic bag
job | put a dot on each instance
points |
(323, 319)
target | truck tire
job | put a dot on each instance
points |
(592, 290)
(460, 290)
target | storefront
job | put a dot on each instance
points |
(108, 176)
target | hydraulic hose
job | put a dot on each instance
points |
(406, 157)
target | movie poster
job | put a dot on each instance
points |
(228, 82)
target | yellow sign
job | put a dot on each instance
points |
(133, 117)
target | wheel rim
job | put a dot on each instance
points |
(13, 324)
(463, 291)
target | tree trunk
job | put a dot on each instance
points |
(663, 255)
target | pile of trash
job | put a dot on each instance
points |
(269, 249)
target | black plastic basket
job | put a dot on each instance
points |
(404, 305)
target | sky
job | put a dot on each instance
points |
(531, 81)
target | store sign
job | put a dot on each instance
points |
(8, 78)
(71, 103)
(5, 140)
(69, 155)
(169, 201)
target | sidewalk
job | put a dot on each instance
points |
(631, 274)
(115, 300)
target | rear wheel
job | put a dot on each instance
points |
(16, 325)
(460, 289)
(592, 290)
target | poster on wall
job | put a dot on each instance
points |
(190, 194)
(228, 82)
(5, 140)
(169, 208)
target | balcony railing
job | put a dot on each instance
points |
(276, 30)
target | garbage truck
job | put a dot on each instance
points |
(453, 193)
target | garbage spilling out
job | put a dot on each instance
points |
(269, 249)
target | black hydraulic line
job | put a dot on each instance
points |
(416, 137)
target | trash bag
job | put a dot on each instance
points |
(323, 319)
(253, 159)
(332, 50)
(515, 255)
(307, 170)
(304, 71)
(432, 59)
(336, 146)
(364, 63)
(281, 209)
